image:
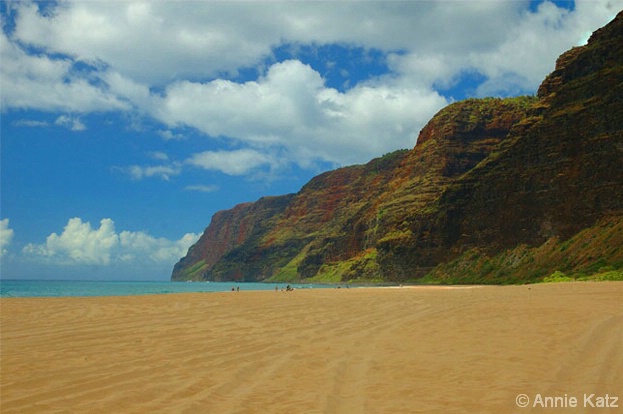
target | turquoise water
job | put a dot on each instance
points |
(56, 288)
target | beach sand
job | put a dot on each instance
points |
(370, 350)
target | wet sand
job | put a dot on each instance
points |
(372, 350)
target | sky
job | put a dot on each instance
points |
(125, 125)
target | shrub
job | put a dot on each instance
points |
(557, 276)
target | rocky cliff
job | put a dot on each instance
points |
(493, 191)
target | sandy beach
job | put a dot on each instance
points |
(372, 350)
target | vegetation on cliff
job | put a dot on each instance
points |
(595, 253)
(495, 191)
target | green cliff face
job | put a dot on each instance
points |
(495, 191)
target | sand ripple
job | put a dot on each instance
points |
(312, 351)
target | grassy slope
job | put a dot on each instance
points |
(595, 253)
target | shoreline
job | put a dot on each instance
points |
(375, 350)
(76, 288)
(232, 290)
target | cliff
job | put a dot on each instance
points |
(493, 192)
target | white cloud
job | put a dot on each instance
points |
(195, 39)
(164, 172)
(30, 81)
(31, 123)
(525, 58)
(523, 53)
(290, 109)
(159, 155)
(81, 244)
(205, 39)
(6, 236)
(142, 246)
(255, 110)
(177, 58)
(65, 121)
(165, 41)
(72, 123)
(238, 162)
(202, 188)
(168, 135)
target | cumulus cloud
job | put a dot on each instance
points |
(179, 62)
(211, 38)
(237, 162)
(41, 82)
(291, 108)
(142, 246)
(6, 236)
(81, 244)
(521, 62)
(206, 38)
(523, 53)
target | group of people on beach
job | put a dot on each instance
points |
(287, 289)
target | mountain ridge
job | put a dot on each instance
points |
(486, 178)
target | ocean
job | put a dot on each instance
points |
(65, 288)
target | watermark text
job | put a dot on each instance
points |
(568, 401)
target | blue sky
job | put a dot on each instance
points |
(126, 125)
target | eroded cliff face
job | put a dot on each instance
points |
(486, 176)
(227, 231)
(559, 171)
